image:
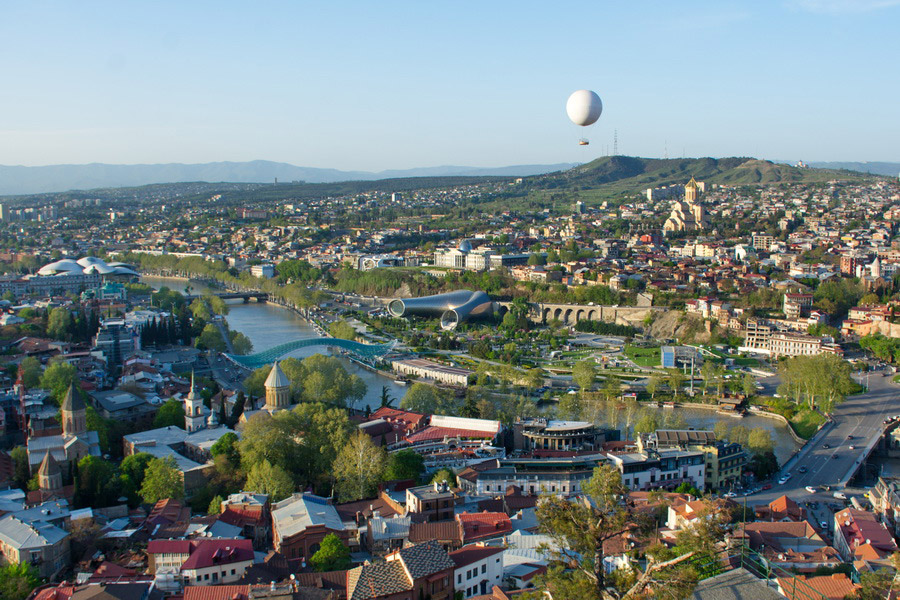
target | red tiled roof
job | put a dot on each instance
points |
(484, 524)
(473, 553)
(217, 592)
(241, 516)
(830, 587)
(439, 433)
(169, 547)
(212, 552)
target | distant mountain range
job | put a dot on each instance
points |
(59, 178)
(875, 168)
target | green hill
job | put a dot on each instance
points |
(618, 174)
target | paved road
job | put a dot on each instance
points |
(862, 417)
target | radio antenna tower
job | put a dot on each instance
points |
(666, 149)
(615, 142)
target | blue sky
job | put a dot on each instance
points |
(385, 85)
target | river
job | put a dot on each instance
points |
(269, 325)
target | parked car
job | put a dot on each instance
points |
(784, 479)
(803, 469)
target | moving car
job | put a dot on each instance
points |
(784, 479)
(803, 469)
(840, 495)
(811, 489)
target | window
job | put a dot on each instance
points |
(459, 578)
(483, 569)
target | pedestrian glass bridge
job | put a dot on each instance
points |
(267, 357)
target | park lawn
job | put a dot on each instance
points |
(806, 423)
(644, 357)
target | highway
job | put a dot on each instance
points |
(828, 459)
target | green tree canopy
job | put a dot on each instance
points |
(429, 400)
(170, 413)
(31, 372)
(18, 580)
(264, 478)
(57, 378)
(359, 468)
(405, 464)
(162, 480)
(584, 374)
(342, 330)
(332, 555)
(317, 378)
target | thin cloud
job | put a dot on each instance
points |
(842, 6)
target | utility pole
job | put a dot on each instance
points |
(615, 142)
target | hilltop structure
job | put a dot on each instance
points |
(688, 214)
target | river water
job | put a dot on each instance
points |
(269, 325)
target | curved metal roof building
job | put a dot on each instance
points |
(453, 307)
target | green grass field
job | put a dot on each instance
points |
(806, 422)
(644, 357)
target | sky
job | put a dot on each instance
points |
(395, 85)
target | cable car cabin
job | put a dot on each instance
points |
(583, 142)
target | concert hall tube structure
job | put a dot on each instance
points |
(453, 307)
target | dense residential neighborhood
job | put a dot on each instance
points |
(673, 368)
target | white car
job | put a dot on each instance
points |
(811, 489)
(784, 479)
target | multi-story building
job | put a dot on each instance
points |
(481, 259)
(724, 461)
(41, 544)
(795, 306)
(478, 569)
(201, 561)
(563, 476)
(763, 241)
(661, 469)
(301, 522)
(534, 434)
(859, 535)
(420, 571)
(885, 498)
(115, 342)
(435, 501)
(264, 270)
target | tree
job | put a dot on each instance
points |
(405, 464)
(169, 414)
(97, 483)
(21, 468)
(332, 555)
(215, 505)
(579, 531)
(647, 423)
(358, 468)
(653, 385)
(445, 476)
(676, 380)
(878, 584)
(18, 580)
(721, 429)
(31, 372)
(59, 324)
(584, 374)
(748, 385)
(264, 478)
(162, 480)
(386, 398)
(227, 445)
(428, 399)
(760, 441)
(131, 474)
(57, 378)
(342, 330)
(240, 342)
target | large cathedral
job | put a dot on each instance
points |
(688, 214)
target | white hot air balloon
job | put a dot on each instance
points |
(584, 108)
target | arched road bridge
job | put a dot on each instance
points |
(245, 296)
(267, 357)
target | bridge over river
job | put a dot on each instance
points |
(245, 296)
(267, 357)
